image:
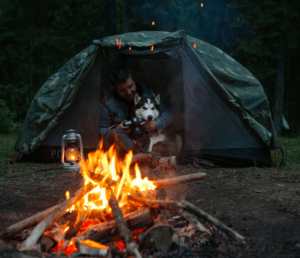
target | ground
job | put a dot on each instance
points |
(262, 204)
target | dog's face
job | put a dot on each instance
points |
(146, 108)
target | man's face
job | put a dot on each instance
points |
(126, 90)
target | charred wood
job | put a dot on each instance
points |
(123, 230)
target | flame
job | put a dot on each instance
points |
(195, 45)
(67, 195)
(152, 47)
(201, 4)
(104, 172)
(129, 48)
(153, 23)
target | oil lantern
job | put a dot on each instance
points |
(71, 150)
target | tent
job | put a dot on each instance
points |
(219, 107)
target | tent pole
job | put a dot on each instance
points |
(276, 157)
(15, 157)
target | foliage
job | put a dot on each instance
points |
(6, 118)
(38, 37)
(271, 23)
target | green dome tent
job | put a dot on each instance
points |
(219, 107)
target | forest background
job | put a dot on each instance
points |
(37, 37)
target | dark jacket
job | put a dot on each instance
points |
(113, 111)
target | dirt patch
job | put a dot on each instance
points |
(262, 204)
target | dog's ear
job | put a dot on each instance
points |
(137, 98)
(157, 99)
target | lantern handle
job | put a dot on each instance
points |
(81, 146)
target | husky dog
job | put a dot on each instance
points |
(148, 109)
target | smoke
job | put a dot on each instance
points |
(210, 23)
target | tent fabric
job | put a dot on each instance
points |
(53, 99)
(224, 106)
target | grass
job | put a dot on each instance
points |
(290, 145)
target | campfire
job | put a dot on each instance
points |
(115, 211)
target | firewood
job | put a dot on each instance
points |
(106, 231)
(158, 236)
(156, 159)
(123, 230)
(194, 220)
(202, 214)
(26, 223)
(50, 219)
(176, 206)
(179, 180)
(140, 157)
(168, 205)
(72, 231)
(91, 248)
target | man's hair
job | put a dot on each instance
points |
(120, 74)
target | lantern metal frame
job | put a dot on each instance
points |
(72, 137)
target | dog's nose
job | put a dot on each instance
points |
(150, 117)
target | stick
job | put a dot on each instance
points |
(179, 180)
(124, 231)
(202, 214)
(168, 205)
(26, 223)
(194, 220)
(49, 220)
(140, 157)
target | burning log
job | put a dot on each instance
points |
(49, 220)
(124, 231)
(107, 230)
(202, 214)
(26, 223)
(179, 180)
(91, 248)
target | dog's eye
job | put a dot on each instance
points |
(153, 108)
(144, 108)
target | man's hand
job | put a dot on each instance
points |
(125, 129)
(148, 126)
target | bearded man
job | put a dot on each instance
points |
(118, 107)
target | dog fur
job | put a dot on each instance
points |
(148, 109)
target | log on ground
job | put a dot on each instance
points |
(179, 180)
(202, 214)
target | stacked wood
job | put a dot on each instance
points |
(107, 230)
(53, 216)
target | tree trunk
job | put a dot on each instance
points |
(279, 89)
(112, 18)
